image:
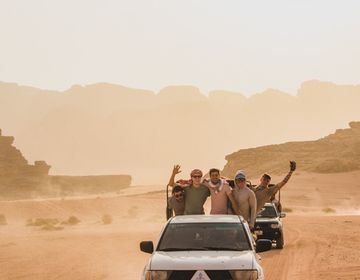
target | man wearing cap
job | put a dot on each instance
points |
(245, 198)
(264, 192)
(195, 192)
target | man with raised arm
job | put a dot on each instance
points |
(264, 192)
(195, 192)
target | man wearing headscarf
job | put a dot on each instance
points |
(195, 192)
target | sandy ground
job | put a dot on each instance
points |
(322, 229)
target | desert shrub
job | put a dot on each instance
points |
(329, 210)
(38, 222)
(106, 219)
(287, 210)
(71, 221)
(2, 220)
(51, 227)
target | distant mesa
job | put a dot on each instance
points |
(19, 179)
(180, 94)
(337, 152)
(102, 127)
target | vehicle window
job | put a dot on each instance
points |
(204, 236)
(267, 212)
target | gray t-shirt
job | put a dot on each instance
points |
(177, 206)
(195, 198)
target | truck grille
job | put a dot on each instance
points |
(213, 274)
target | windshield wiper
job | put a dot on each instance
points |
(213, 248)
(181, 249)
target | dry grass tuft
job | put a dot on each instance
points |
(287, 210)
(3, 221)
(106, 219)
(71, 221)
(51, 227)
(44, 223)
(39, 222)
(329, 210)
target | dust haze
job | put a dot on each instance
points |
(106, 129)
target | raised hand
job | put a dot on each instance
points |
(292, 165)
(176, 169)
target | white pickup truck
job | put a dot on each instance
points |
(201, 247)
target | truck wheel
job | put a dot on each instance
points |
(280, 242)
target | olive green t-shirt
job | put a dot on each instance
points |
(195, 199)
(263, 195)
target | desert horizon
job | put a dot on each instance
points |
(87, 130)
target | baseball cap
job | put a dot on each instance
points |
(240, 174)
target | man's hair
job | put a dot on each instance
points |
(177, 189)
(214, 170)
(266, 176)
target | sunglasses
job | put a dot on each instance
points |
(178, 195)
(240, 180)
(196, 176)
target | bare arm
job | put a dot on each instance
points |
(278, 186)
(252, 203)
(176, 170)
(232, 199)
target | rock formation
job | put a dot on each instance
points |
(19, 179)
(15, 172)
(338, 152)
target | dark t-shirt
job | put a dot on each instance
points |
(195, 199)
(177, 206)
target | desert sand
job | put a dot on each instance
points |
(321, 233)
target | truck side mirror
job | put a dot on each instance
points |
(263, 245)
(147, 246)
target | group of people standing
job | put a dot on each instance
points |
(189, 196)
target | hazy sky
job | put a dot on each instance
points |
(244, 46)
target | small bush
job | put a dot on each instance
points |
(3, 221)
(38, 222)
(71, 221)
(287, 210)
(329, 210)
(51, 227)
(106, 219)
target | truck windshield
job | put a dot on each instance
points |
(204, 237)
(267, 212)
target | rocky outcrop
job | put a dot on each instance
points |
(19, 179)
(16, 171)
(338, 152)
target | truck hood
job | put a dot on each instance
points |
(196, 260)
(267, 220)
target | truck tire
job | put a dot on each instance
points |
(280, 242)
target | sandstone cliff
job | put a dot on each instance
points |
(19, 179)
(338, 152)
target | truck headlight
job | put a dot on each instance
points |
(274, 225)
(157, 275)
(244, 274)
